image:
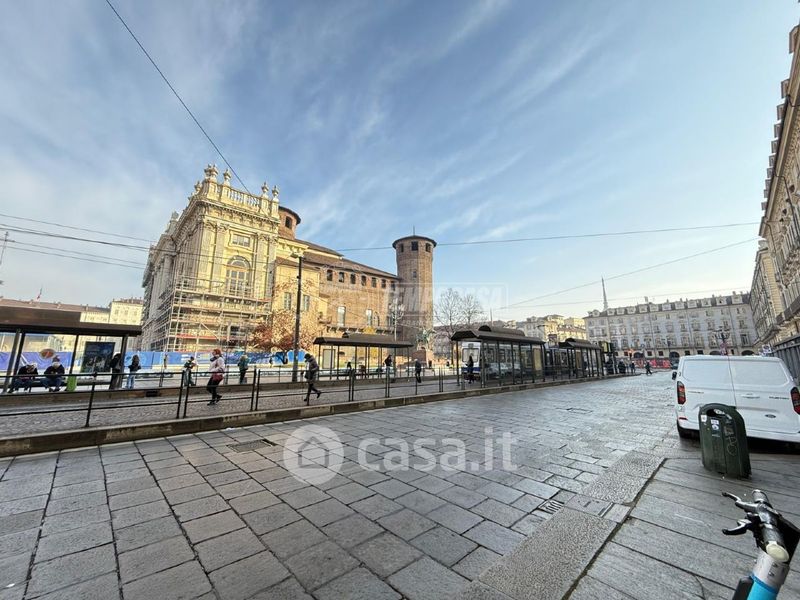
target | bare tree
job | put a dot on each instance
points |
(396, 313)
(471, 310)
(447, 311)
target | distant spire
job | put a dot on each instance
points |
(605, 299)
(413, 230)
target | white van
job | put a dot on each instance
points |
(761, 389)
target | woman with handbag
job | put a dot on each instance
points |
(217, 371)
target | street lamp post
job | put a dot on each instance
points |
(297, 315)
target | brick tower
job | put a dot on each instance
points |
(415, 269)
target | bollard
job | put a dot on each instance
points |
(186, 401)
(91, 401)
(351, 387)
(253, 389)
(180, 395)
(258, 387)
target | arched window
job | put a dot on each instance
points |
(236, 276)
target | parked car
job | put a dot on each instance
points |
(761, 388)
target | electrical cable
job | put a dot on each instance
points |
(655, 266)
(129, 237)
(12, 229)
(566, 236)
(177, 95)
(119, 260)
(77, 258)
(659, 294)
(17, 229)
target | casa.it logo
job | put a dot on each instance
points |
(313, 454)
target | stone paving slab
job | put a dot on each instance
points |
(191, 518)
(546, 564)
(672, 546)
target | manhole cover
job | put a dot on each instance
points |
(551, 506)
(249, 446)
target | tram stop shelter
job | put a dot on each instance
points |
(38, 335)
(584, 359)
(365, 352)
(500, 354)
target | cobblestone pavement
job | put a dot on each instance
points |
(67, 414)
(188, 517)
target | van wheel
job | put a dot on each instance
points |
(685, 434)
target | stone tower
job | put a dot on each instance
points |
(415, 270)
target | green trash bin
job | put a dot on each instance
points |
(72, 383)
(723, 440)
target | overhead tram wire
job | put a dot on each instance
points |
(119, 235)
(567, 236)
(203, 255)
(19, 229)
(67, 250)
(52, 234)
(177, 95)
(91, 260)
(640, 270)
(638, 296)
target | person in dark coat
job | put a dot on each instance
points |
(418, 370)
(26, 377)
(312, 372)
(54, 374)
(116, 371)
(134, 367)
(470, 369)
(189, 366)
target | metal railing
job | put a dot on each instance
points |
(105, 399)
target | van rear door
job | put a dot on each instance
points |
(763, 389)
(706, 380)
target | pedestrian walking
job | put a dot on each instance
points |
(312, 372)
(470, 369)
(189, 366)
(647, 369)
(132, 369)
(418, 370)
(243, 364)
(217, 371)
(633, 368)
(54, 374)
(388, 364)
(348, 370)
(117, 368)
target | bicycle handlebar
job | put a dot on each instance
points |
(773, 534)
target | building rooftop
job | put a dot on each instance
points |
(672, 305)
(12, 303)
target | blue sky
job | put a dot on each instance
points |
(464, 120)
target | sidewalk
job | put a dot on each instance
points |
(672, 545)
(647, 538)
